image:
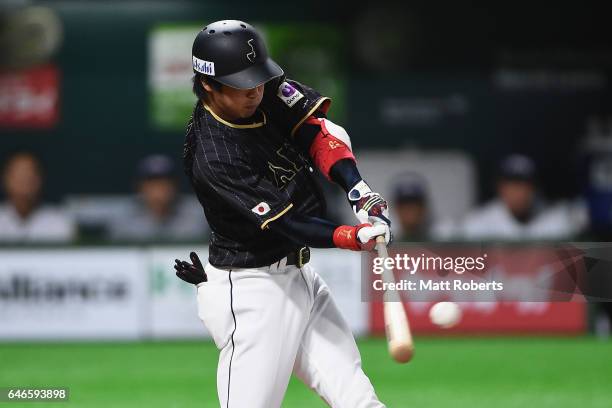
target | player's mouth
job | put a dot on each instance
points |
(250, 109)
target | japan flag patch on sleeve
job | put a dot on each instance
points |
(289, 94)
(261, 209)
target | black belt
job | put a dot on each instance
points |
(299, 257)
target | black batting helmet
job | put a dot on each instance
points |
(233, 53)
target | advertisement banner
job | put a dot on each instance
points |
(72, 294)
(134, 293)
(29, 98)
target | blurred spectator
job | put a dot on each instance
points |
(159, 214)
(410, 206)
(23, 218)
(518, 212)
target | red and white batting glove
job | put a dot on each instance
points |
(368, 206)
(360, 237)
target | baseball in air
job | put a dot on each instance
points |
(445, 314)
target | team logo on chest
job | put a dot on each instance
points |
(283, 169)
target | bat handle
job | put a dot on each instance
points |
(381, 244)
(381, 247)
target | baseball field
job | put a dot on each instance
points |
(446, 372)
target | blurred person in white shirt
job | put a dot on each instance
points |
(518, 213)
(159, 213)
(22, 217)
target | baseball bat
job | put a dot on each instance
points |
(397, 329)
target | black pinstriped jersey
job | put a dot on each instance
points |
(248, 174)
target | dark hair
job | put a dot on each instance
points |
(199, 90)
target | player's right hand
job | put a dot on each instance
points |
(191, 272)
(368, 206)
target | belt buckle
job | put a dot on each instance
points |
(303, 256)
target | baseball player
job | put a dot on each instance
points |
(251, 149)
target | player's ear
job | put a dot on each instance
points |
(206, 86)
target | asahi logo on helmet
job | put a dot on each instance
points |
(203, 67)
(289, 94)
(251, 55)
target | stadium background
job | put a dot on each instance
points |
(447, 92)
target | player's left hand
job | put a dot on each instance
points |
(366, 235)
(360, 237)
(191, 272)
(368, 206)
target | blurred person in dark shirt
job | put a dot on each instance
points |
(23, 218)
(411, 208)
(159, 213)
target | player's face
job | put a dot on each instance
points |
(411, 215)
(22, 180)
(232, 104)
(517, 195)
(158, 194)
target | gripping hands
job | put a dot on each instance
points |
(373, 214)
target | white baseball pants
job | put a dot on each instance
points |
(269, 322)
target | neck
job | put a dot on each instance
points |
(524, 216)
(24, 209)
(219, 112)
(160, 212)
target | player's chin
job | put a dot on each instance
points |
(249, 111)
